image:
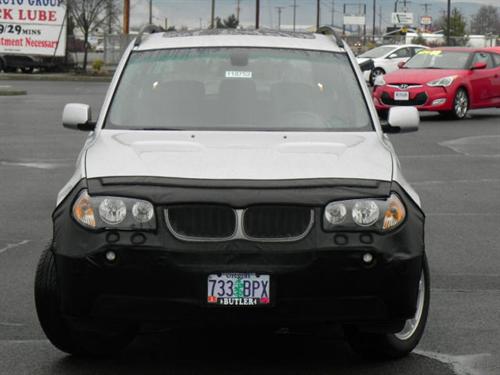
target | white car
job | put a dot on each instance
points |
(228, 181)
(386, 58)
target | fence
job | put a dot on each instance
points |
(114, 46)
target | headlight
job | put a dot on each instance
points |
(444, 82)
(103, 212)
(365, 213)
(335, 213)
(371, 214)
(379, 81)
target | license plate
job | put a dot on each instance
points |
(238, 289)
(401, 95)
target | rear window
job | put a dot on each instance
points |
(239, 89)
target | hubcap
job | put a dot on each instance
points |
(411, 325)
(461, 104)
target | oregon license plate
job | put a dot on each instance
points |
(401, 95)
(238, 289)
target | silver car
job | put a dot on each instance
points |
(236, 178)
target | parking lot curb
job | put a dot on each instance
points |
(54, 77)
(9, 91)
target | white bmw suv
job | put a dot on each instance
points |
(236, 178)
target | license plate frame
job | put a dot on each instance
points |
(401, 95)
(238, 289)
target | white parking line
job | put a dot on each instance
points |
(13, 245)
(461, 364)
(10, 324)
(31, 164)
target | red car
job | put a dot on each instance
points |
(448, 80)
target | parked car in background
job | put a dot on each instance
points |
(448, 80)
(386, 58)
(28, 63)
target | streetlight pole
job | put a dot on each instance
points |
(294, 6)
(150, 12)
(374, 18)
(318, 13)
(257, 13)
(212, 16)
(448, 23)
(280, 9)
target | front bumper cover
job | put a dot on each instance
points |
(319, 278)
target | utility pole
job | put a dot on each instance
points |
(380, 19)
(333, 12)
(374, 19)
(238, 10)
(126, 16)
(318, 13)
(279, 9)
(212, 16)
(150, 12)
(294, 6)
(448, 23)
(257, 13)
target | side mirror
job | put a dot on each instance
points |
(401, 64)
(393, 56)
(402, 120)
(479, 65)
(367, 65)
(78, 117)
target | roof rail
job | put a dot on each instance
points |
(147, 29)
(329, 30)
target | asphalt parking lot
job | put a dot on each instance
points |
(455, 166)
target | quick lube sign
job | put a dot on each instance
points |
(33, 27)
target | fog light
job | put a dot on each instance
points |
(439, 101)
(367, 258)
(111, 256)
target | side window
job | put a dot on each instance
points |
(417, 50)
(496, 58)
(401, 53)
(483, 57)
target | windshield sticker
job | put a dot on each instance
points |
(238, 74)
(430, 52)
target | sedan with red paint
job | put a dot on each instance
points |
(447, 80)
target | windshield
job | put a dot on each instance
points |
(238, 89)
(377, 52)
(437, 59)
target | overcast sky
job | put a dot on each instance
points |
(192, 13)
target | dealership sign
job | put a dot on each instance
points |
(33, 27)
(401, 19)
(354, 20)
(426, 20)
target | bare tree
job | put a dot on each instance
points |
(87, 16)
(486, 20)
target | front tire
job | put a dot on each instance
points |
(400, 344)
(92, 341)
(460, 105)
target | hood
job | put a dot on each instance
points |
(238, 155)
(418, 76)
